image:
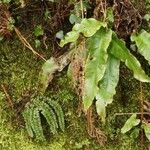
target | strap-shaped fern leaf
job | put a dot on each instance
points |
(60, 115)
(52, 112)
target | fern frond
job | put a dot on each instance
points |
(27, 119)
(37, 126)
(48, 113)
(58, 110)
(50, 110)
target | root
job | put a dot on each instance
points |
(4, 21)
(93, 131)
(9, 100)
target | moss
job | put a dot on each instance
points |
(19, 70)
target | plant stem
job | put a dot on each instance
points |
(138, 113)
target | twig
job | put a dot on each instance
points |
(10, 102)
(142, 115)
(138, 113)
(26, 43)
(82, 9)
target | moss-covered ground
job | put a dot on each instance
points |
(19, 69)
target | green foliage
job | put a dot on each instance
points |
(96, 64)
(1, 38)
(47, 14)
(38, 31)
(101, 69)
(146, 128)
(109, 80)
(46, 74)
(50, 67)
(142, 41)
(147, 17)
(74, 19)
(60, 34)
(11, 23)
(37, 43)
(5, 1)
(87, 27)
(109, 15)
(81, 144)
(130, 123)
(107, 86)
(119, 50)
(59, 113)
(50, 110)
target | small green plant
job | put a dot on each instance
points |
(38, 31)
(134, 122)
(5, 1)
(11, 23)
(50, 110)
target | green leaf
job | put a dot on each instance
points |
(5, 1)
(90, 26)
(119, 50)
(109, 81)
(27, 117)
(130, 123)
(37, 126)
(38, 31)
(47, 112)
(37, 43)
(47, 14)
(49, 115)
(60, 115)
(146, 128)
(87, 27)
(135, 133)
(50, 67)
(46, 74)
(11, 22)
(107, 86)
(70, 38)
(1, 38)
(147, 17)
(142, 41)
(96, 64)
(74, 19)
(109, 14)
(60, 34)
(101, 109)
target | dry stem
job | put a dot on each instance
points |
(27, 44)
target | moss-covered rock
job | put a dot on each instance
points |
(19, 70)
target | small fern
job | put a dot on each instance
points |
(51, 111)
(59, 113)
(36, 125)
(27, 115)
